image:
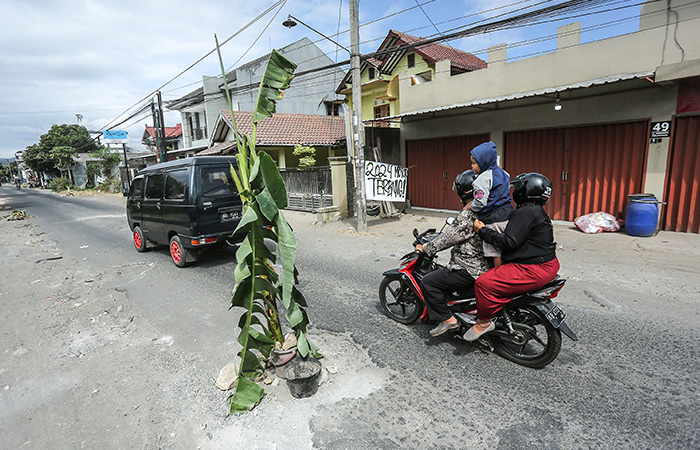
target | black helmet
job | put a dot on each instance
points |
(531, 187)
(464, 185)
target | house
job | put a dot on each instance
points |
(173, 139)
(311, 93)
(603, 120)
(320, 189)
(379, 76)
(279, 134)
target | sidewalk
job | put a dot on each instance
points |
(681, 249)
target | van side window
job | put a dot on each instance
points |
(217, 181)
(154, 186)
(136, 188)
(176, 184)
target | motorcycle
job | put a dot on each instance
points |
(528, 329)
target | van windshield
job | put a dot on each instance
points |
(217, 181)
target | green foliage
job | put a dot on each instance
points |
(307, 155)
(8, 170)
(64, 155)
(259, 287)
(75, 136)
(60, 184)
(39, 159)
(93, 170)
(109, 160)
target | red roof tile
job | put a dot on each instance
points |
(170, 132)
(291, 129)
(438, 52)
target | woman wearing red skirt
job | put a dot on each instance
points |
(528, 247)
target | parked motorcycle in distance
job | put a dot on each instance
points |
(528, 329)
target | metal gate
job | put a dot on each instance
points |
(433, 164)
(683, 178)
(308, 189)
(592, 168)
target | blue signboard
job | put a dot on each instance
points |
(114, 134)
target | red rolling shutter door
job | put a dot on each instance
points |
(592, 168)
(433, 164)
(682, 213)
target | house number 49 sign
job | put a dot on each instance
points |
(660, 129)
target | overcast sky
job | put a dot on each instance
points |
(98, 58)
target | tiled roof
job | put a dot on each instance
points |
(438, 52)
(170, 132)
(291, 129)
(220, 148)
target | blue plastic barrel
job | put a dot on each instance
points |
(642, 215)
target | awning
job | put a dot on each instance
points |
(520, 95)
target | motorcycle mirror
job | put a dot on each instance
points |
(415, 233)
(450, 220)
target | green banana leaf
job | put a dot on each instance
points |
(278, 75)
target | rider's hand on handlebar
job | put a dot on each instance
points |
(419, 248)
(478, 224)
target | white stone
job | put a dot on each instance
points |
(227, 377)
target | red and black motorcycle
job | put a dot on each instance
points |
(528, 329)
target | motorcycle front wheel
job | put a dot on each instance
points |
(535, 343)
(399, 301)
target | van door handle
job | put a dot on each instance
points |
(206, 205)
(158, 205)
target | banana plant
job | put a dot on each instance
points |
(259, 287)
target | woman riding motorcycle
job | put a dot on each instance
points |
(529, 252)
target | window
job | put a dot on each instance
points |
(379, 112)
(154, 186)
(217, 181)
(411, 59)
(136, 188)
(176, 184)
(371, 73)
(332, 109)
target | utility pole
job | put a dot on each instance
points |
(357, 126)
(155, 130)
(161, 134)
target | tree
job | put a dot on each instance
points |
(110, 160)
(64, 155)
(76, 136)
(38, 159)
(306, 154)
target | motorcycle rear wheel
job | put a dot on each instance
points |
(536, 342)
(399, 301)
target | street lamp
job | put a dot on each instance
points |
(358, 128)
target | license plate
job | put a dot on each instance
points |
(556, 315)
(228, 216)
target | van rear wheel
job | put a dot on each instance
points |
(177, 252)
(139, 240)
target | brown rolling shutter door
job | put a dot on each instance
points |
(683, 179)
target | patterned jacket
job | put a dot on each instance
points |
(467, 248)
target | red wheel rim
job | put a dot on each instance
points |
(137, 239)
(175, 252)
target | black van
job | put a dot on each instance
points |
(189, 204)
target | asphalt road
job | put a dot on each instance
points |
(631, 381)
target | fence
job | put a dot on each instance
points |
(308, 189)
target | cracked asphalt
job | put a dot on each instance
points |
(103, 347)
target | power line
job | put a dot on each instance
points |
(245, 27)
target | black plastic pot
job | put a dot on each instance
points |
(303, 376)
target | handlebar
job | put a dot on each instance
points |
(423, 237)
